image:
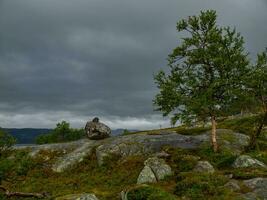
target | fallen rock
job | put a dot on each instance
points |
(146, 176)
(96, 130)
(78, 197)
(159, 167)
(204, 167)
(232, 185)
(244, 161)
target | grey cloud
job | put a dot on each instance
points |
(98, 57)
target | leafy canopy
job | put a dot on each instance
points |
(205, 71)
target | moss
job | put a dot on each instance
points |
(149, 193)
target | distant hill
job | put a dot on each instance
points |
(28, 135)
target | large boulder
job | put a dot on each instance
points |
(146, 176)
(159, 167)
(96, 130)
(204, 167)
(155, 169)
(245, 161)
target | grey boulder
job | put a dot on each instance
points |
(146, 176)
(159, 167)
(232, 185)
(245, 161)
(155, 169)
(96, 130)
(204, 167)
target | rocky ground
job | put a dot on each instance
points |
(164, 157)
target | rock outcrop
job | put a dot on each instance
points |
(144, 144)
(123, 146)
(244, 161)
(74, 157)
(96, 130)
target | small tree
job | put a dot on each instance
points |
(256, 82)
(6, 142)
(205, 72)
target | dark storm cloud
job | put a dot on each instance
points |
(76, 59)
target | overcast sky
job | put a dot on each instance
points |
(76, 59)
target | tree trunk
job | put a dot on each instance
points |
(254, 136)
(214, 134)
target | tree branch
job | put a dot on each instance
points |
(22, 194)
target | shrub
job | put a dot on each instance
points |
(201, 186)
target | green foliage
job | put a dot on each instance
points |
(62, 133)
(6, 142)
(201, 186)
(149, 193)
(205, 71)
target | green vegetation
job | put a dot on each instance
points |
(62, 133)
